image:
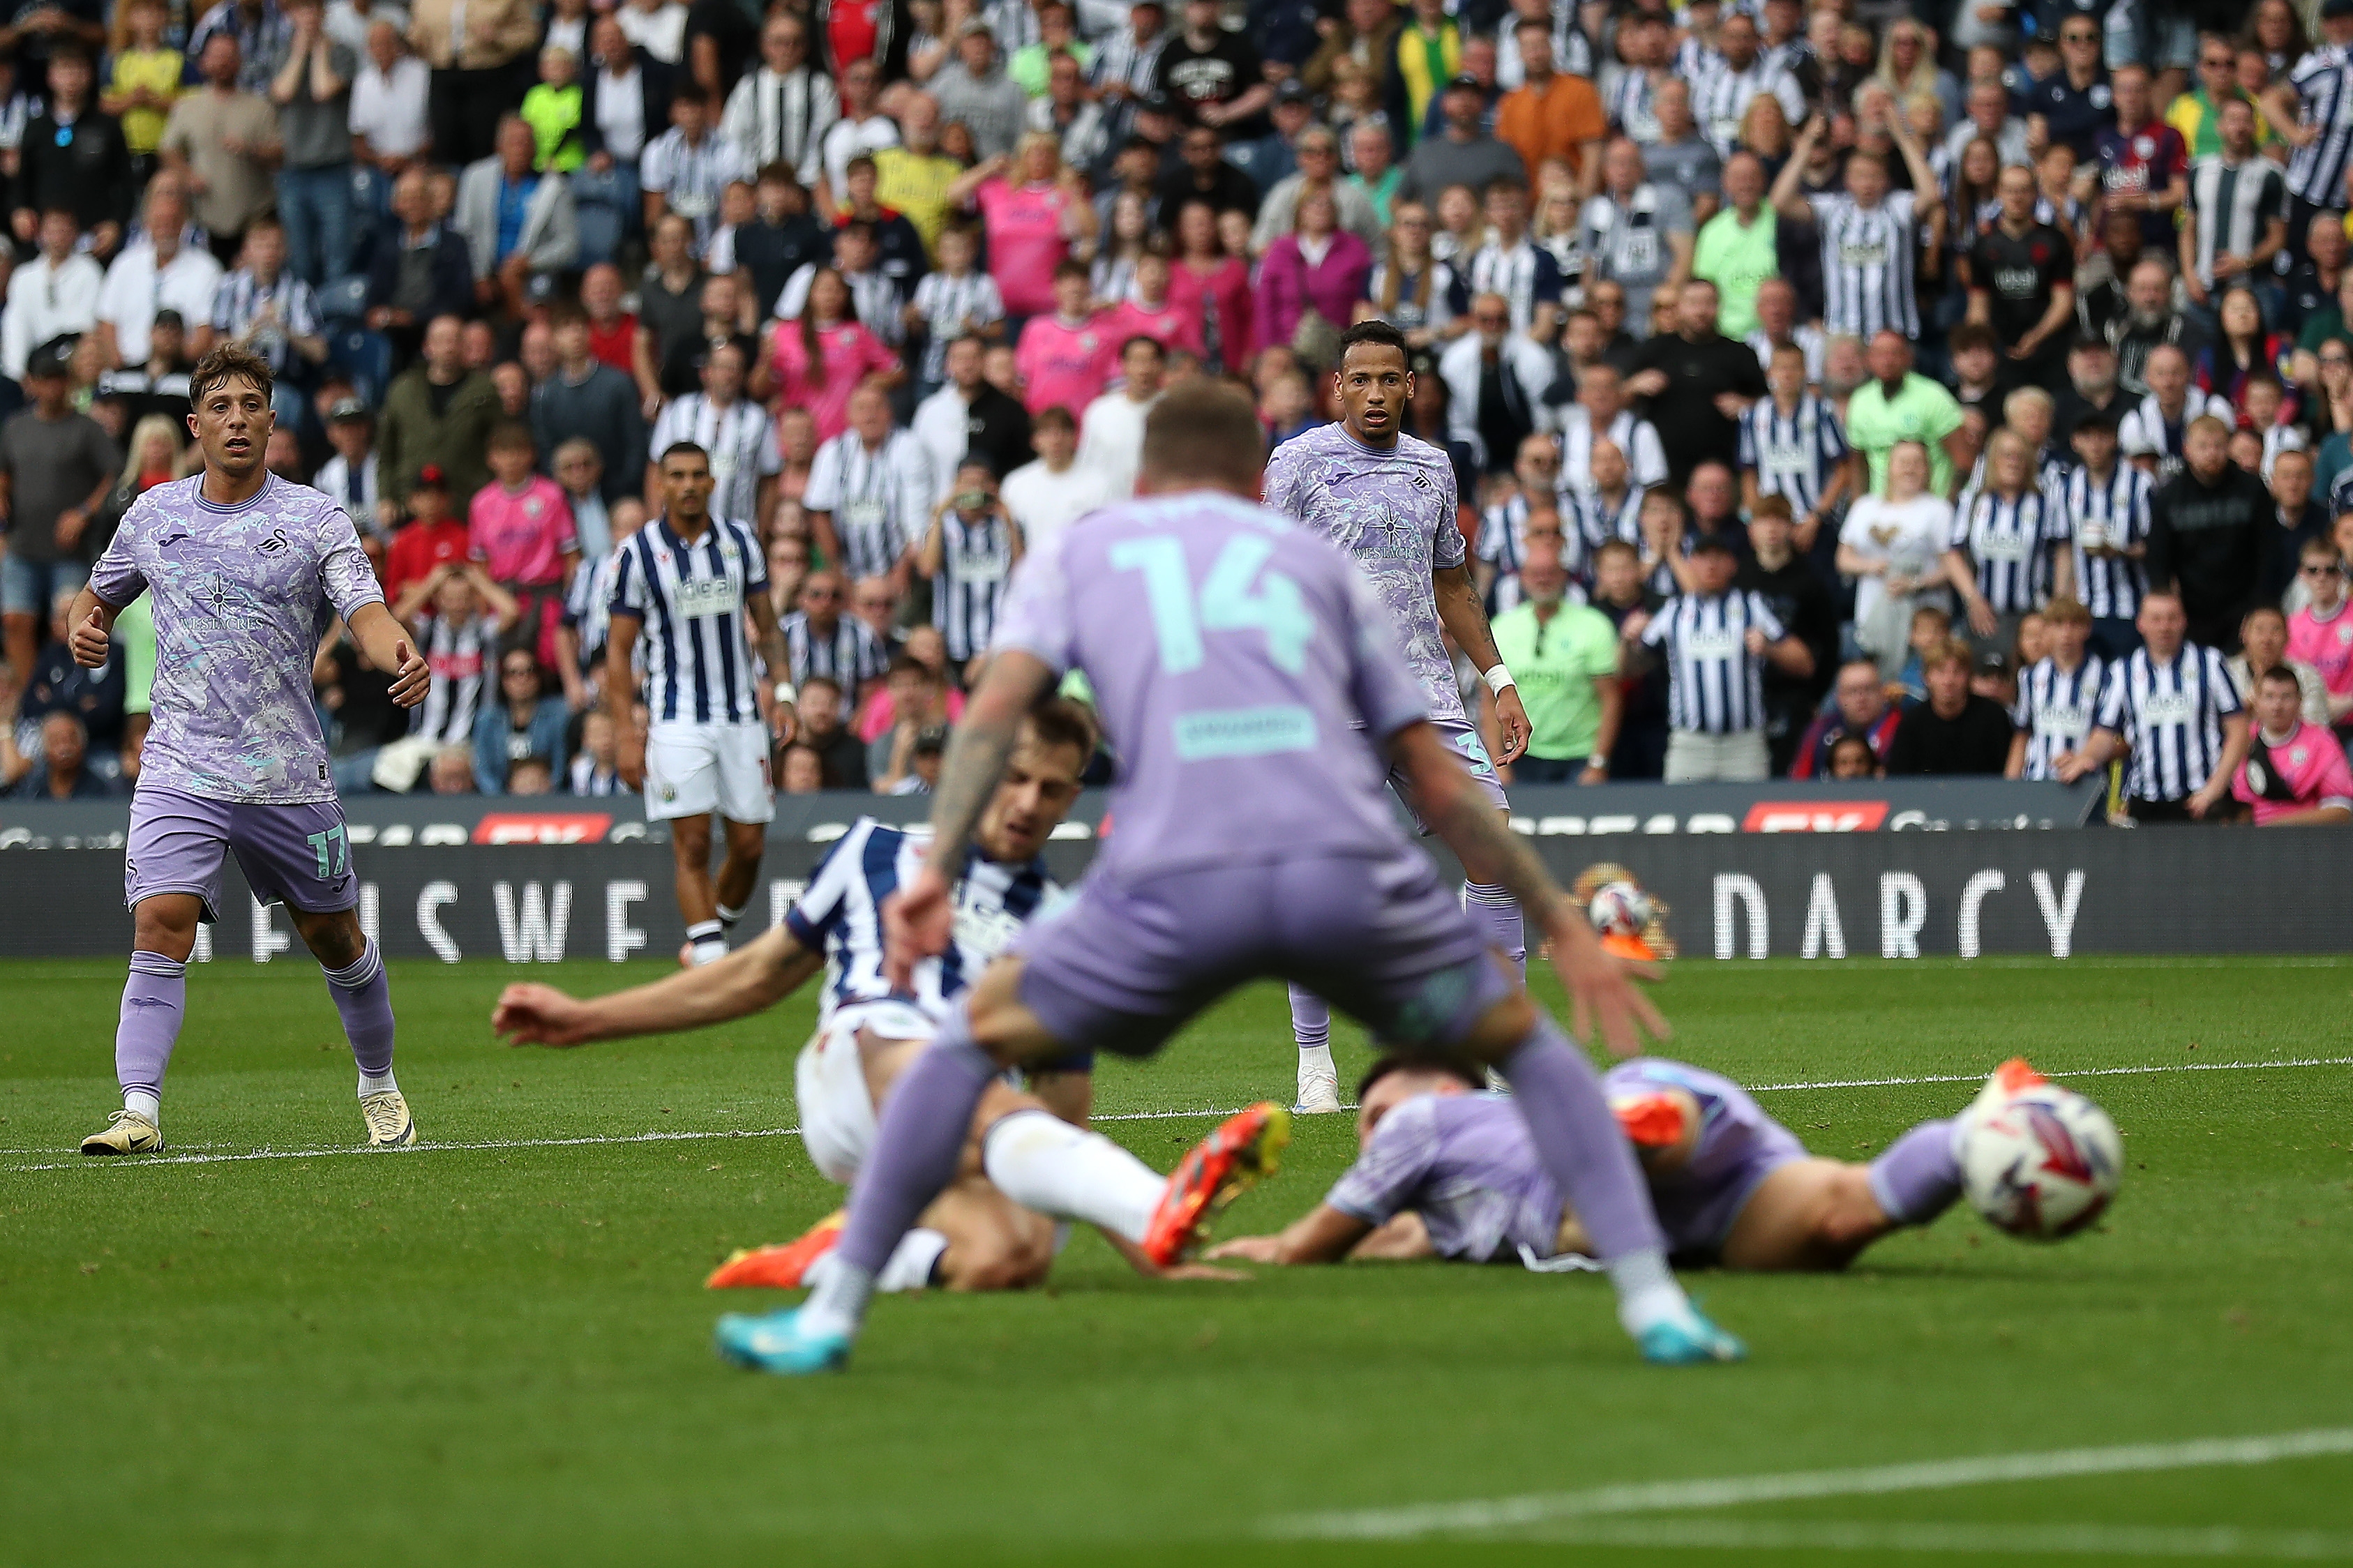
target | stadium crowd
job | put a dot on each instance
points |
(1835, 392)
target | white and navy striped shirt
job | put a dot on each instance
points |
(1794, 455)
(461, 659)
(689, 177)
(1720, 96)
(2146, 432)
(691, 599)
(1715, 685)
(2109, 586)
(2008, 538)
(242, 297)
(947, 303)
(1810, 340)
(1868, 259)
(848, 655)
(1625, 99)
(2232, 203)
(773, 119)
(975, 559)
(588, 611)
(1524, 275)
(1638, 438)
(2171, 715)
(1592, 521)
(2323, 80)
(840, 915)
(2058, 710)
(740, 438)
(881, 500)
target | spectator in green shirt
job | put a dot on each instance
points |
(552, 109)
(1564, 659)
(1737, 248)
(1898, 405)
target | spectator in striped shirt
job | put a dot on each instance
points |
(1793, 445)
(870, 492)
(1871, 234)
(2311, 110)
(2171, 706)
(2058, 696)
(2004, 536)
(2106, 522)
(820, 641)
(1717, 642)
(969, 552)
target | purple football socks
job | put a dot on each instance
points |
(1920, 1174)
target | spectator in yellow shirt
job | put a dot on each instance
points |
(146, 80)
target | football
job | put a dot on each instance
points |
(1618, 909)
(2043, 1163)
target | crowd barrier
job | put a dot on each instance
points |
(1952, 868)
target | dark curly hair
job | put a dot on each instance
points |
(226, 363)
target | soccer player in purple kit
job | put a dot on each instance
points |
(1257, 718)
(1387, 499)
(246, 570)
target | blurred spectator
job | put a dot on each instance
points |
(459, 614)
(969, 552)
(481, 52)
(56, 468)
(390, 119)
(803, 772)
(780, 112)
(55, 295)
(1898, 403)
(1034, 212)
(974, 89)
(1319, 173)
(592, 403)
(1859, 710)
(1047, 496)
(2294, 774)
(820, 359)
(1699, 382)
(1792, 590)
(580, 469)
(157, 272)
(57, 684)
(520, 531)
(519, 224)
(719, 320)
(144, 78)
(1311, 279)
(312, 86)
(452, 770)
(519, 725)
(62, 773)
(1495, 380)
(1638, 232)
(821, 642)
(1111, 447)
(2205, 538)
(869, 492)
(2321, 634)
(683, 170)
(1600, 414)
(350, 474)
(1564, 656)
(781, 238)
(2171, 707)
(841, 758)
(594, 771)
(220, 141)
(1463, 152)
(266, 309)
(1956, 731)
(1552, 114)
(1717, 642)
(419, 267)
(624, 103)
(954, 302)
(736, 432)
(552, 109)
(969, 415)
(73, 157)
(2263, 645)
(437, 415)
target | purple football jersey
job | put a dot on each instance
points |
(241, 596)
(1232, 654)
(1465, 1163)
(1393, 512)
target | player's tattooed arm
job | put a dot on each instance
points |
(756, 976)
(1465, 620)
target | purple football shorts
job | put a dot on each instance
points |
(295, 853)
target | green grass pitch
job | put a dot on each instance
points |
(501, 1355)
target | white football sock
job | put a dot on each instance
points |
(1042, 1163)
(376, 1083)
(1316, 1060)
(146, 1104)
(911, 1263)
(1646, 1291)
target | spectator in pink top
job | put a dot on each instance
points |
(2295, 774)
(1318, 266)
(1213, 287)
(1149, 313)
(1065, 358)
(822, 358)
(2321, 634)
(520, 529)
(1033, 227)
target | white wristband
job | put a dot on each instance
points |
(784, 693)
(1497, 679)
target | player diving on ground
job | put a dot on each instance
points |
(1028, 1159)
(1446, 1170)
(1251, 686)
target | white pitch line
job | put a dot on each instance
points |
(1519, 1514)
(499, 1145)
(2135, 1541)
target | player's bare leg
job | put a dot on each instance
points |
(698, 898)
(355, 979)
(739, 871)
(154, 1003)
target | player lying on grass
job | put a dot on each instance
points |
(1028, 1159)
(1448, 1172)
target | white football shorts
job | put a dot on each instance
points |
(694, 770)
(829, 1084)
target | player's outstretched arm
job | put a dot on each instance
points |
(1601, 986)
(388, 648)
(916, 919)
(1322, 1235)
(754, 976)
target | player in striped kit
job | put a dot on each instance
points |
(2173, 706)
(1871, 236)
(2312, 110)
(686, 584)
(1388, 500)
(1715, 642)
(969, 552)
(1999, 562)
(736, 431)
(2059, 696)
(2108, 528)
(1029, 1155)
(1792, 446)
